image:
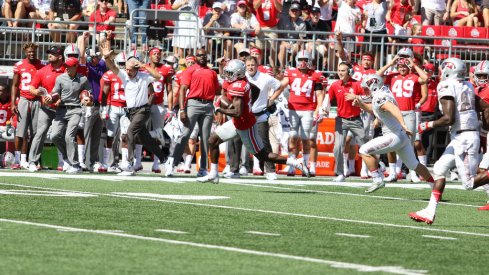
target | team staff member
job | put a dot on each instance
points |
(68, 86)
(136, 94)
(27, 108)
(45, 78)
(348, 118)
(196, 107)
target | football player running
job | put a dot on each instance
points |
(305, 101)
(405, 86)
(238, 91)
(458, 105)
(396, 135)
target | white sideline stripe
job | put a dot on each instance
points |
(263, 184)
(439, 237)
(263, 233)
(352, 235)
(82, 230)
(170, 231)
(334, 264)
(273, 212)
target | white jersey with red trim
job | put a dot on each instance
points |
(116, 95)
(464, 95)
(303, 89)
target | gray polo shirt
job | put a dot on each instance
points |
(136, 89)
(69, 89)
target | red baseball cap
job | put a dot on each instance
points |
(71, 61)
(255, 51)
(242, 2)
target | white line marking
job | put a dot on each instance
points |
(439, 237)
(170, 231)
(423, 228)
(173, 197)
(352, 235)
(335, 264)
(263, 233)
(44, 193)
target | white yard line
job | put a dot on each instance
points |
(439, 237)
(352, 235)
(334, 264)
(263, 233)
(170, 231)
(423, 228)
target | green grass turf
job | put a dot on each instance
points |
(306, 217)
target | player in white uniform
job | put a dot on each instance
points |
(395, 134)
(457, 102)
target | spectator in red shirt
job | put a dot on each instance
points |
(267, 14)
(195, 108)
(417, 30)
(464, 13)
(103, 16)
(348, 118)
(399, 17)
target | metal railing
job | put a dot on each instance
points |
(188, 28)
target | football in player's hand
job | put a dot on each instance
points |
(226, 103)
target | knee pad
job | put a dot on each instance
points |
(439, 171)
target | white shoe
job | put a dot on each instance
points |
(201, 173)
(423, 216)
(391, 178)
(377, 184)
(24, 165)
(226, 169)
(231, 175)
(414, 177)
(339, 178)
(33, 167)
(300, 164)
(66, 166)
(243, 171)
(271, 176)
(114, 169)
(83, 167)
(168, 169)
(126, 173)
(209, 178)
(74, 170)
(95, 168)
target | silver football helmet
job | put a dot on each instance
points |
(235, 69)
(303, 60)
(481, 74)
(453, 68)
(71, 51)
(120, 60)
(373, 82)
(405, 53)
(7, 159)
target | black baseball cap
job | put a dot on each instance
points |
(54, 50)
(316, 9)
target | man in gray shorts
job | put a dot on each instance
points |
(69, 86)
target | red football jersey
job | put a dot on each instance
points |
(241, 88)
(430, 103)
(26, 72)
(303, 89)
(116, 95)
(5, 113)
(359, 72)
(265, 69)
(159, 86)
(404, 90)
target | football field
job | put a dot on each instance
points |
(53, 223)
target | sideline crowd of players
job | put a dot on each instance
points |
(73, 97)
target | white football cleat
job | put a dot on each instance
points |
(414, 177)
(209, 178)
(126, 173)
(300, 164)
(391, 178)
(339, 178)
(226, 169)
(423, 216)
(168, 169)
(33, 167)
(74, 170)
(243, 171)
(271, 176)
(231, 175)
(24, 165)
(377, 184)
